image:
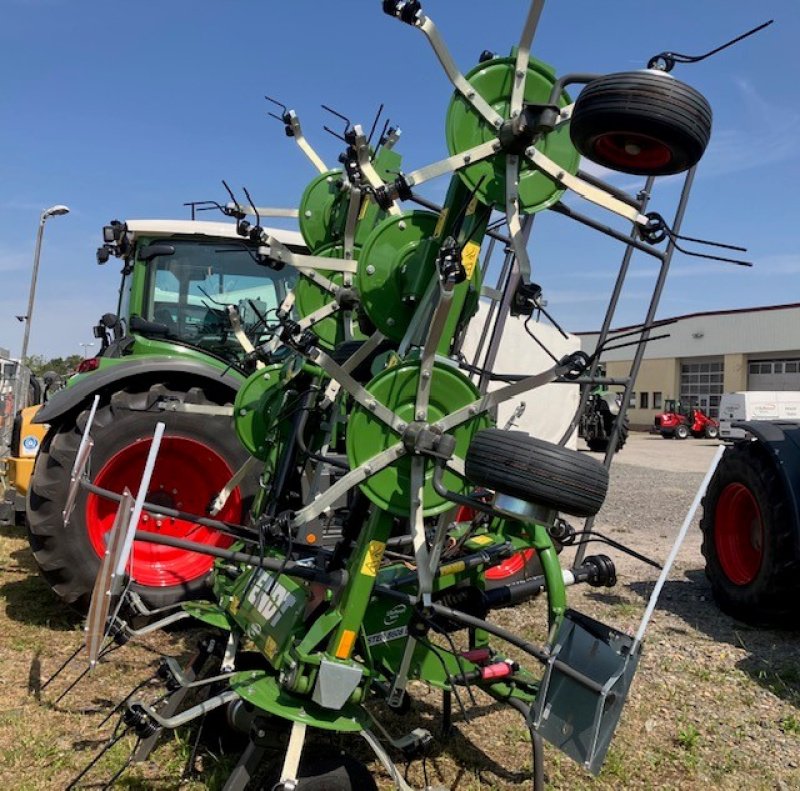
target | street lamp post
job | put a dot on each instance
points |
(85, 347)
(53, 211)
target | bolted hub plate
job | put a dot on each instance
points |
(310, 297)
(394, 269)
(390, 489)
(252, 417)
(465, 129)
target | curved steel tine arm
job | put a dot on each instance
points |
(281, 252)
(219, 501)
(85, 438)
(347, 482)
(263, 211)
(160, 624)
(78, 470)
(319, 279)
(239, 333)
(518, 241)
(318, 315)
(108, 584)
(426, 25)
(353, 209)
(144, 485)
(583, 188)
(357, 391)
(417, 522)
(392, 138)
(190, 714)
(523, 56)
(491, 400)
(429, 351)
(304, 145)
(368, 169)
(353, 361)
(389, 765)
(451, 164)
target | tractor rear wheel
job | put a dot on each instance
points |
(749, 544)
(198, 456)
(600, 444)
(711, 432)
(641, 122)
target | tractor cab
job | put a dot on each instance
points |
(189, 285)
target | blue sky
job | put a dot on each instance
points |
(126, 110)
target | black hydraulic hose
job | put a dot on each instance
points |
(238, 531)
(537, 745)
(301, 443)
(291, 569)
(529, 648)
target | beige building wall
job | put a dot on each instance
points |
(657, 381)
(735, 373)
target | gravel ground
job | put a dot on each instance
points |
(714, 704)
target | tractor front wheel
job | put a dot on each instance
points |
(749, 545)
(198, 456)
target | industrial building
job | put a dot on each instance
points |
(708, 354)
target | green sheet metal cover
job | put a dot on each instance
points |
(397, 254)
(396, 387)
(251, 418)
(310, 297)
(323, 210)
(465, 128)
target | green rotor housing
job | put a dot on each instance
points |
(465, 129)
(396, 388)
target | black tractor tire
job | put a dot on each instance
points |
(750, 540)
(65, 554)
(711, 432)
(681, 431)
(600, 444)
(530, 469)
(642, 122)
(323, 768)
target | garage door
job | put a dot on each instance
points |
(773, 375)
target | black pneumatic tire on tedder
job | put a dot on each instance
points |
(642, 122)
(751, 536)
(530, 469)
(199, 453)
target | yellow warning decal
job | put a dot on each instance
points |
(469, 257)
(440, 223)
(481, 541)
(346, 643)
(452, 568)
(270, 647)
(473, 204)
(372, 560)
(364, 207)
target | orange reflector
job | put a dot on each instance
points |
(346, 644)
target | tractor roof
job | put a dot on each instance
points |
(203, 228)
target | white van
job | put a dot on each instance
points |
(756, 405)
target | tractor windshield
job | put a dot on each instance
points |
(189, 292)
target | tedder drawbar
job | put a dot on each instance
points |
(386, 493)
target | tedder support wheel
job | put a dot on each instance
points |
(681, 431)
(198, 456)
(530, 469)
(641, 122)
(323, 768)
(749, 540)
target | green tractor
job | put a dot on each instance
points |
(190, 294)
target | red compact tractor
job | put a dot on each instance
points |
(680, 421)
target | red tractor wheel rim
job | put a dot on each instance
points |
(632, 151)
(739, 534)
(511, 566)
(187, 475)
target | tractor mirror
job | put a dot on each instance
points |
(151, 251)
